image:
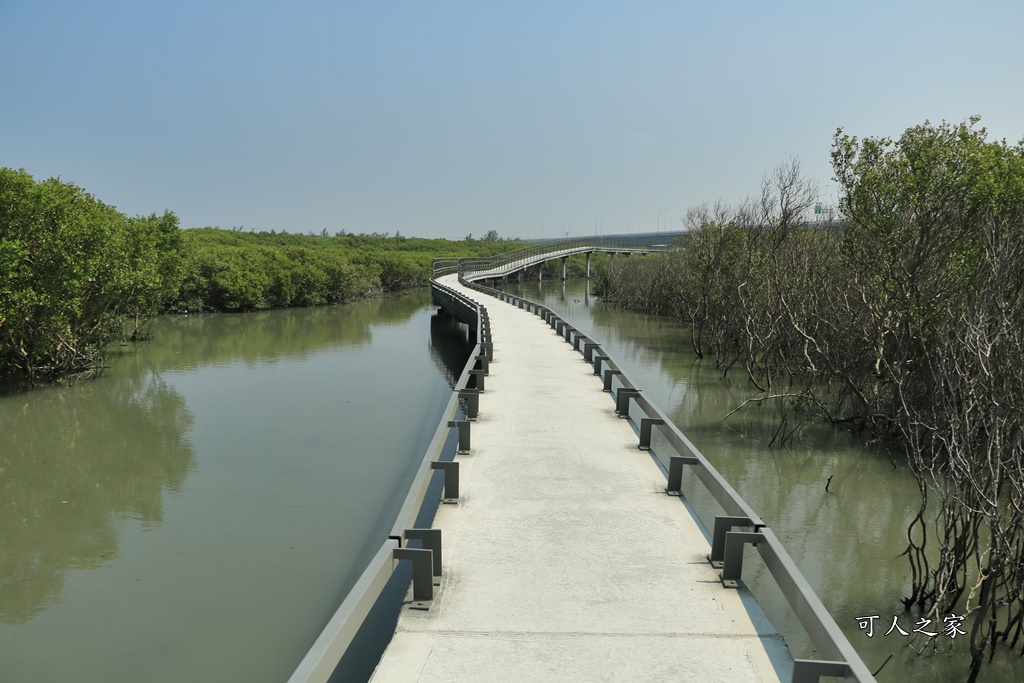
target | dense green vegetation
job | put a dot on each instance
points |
(72, 270)
(905, 318)
(76, 274)
(232, 270)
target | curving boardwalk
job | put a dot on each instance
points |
(564, 559)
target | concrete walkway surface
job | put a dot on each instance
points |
(564, 559)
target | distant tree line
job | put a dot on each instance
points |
(907, 319)
(76, 274)
(244, 271)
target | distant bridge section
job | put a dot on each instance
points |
(509, 263)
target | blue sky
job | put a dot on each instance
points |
(439, 119)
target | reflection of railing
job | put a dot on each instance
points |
(321, 660)
(518, 259)
(840, 658)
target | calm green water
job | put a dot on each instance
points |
(197, 513)
(846, 543)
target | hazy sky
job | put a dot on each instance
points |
(444, 118)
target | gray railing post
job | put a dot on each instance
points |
(598, 359)
(472, 397)
(483, 363)
(431, 539)
(622, 401)
(675, 473)
(732, 565)
(422, 571)
(608, 374)
(646, 425)
(463, 427)
(723, 525)
(588, 350)
(478, 376)
(811, 670)
(451, 479)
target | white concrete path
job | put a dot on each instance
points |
(565, 560)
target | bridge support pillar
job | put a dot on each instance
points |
(589, 254)
(565, 259)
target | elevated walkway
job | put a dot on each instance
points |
(509, 263)
(568, 553)
(565, 560)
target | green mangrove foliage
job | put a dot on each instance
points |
(76, 273)
(231, 270)
(905, 318)
(72, 270)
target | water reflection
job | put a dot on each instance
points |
(213, 542)
(189, 342)
(450, 346)
(68, 475)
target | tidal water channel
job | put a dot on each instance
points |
(199, 511)
(847, 542)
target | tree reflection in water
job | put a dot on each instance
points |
(73, 462)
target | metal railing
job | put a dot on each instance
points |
(839, 658)
(328, 649)
(511, 261)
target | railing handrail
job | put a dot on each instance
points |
(321, 660)
(841, 659)
(332, 643)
